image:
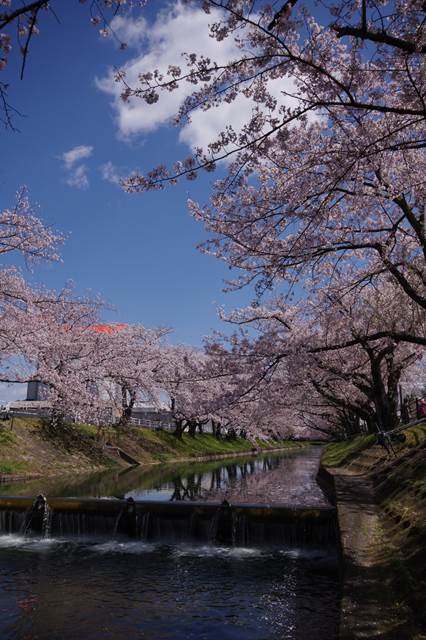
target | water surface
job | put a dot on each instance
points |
(118, 588)
(281, 478)
(59, 590)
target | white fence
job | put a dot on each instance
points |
(152, 424)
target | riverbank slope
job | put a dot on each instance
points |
(29, 447)
(381, 504)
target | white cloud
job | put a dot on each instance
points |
(130, 32)
(182, 28)
(205, 125)
(78, 177)
(77, 173)
(76, 154)
(109, 172)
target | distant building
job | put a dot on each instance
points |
(30, 407)
(37, 390)
(149, 415)
(144, 414)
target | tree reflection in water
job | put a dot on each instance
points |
(196, 486)
(272, 478)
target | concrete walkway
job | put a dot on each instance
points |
(371, 606)
(381, 505)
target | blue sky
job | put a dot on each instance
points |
(138, 251)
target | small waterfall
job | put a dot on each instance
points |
(213, 527)
(47, 521)
(145, 525)
(35, 516)
(117, 522)
(127, 520)
(12, 521)
(81, 523)
(294, 527)
(176, 522)
(239, 529)
(172, 527)
(223, 524)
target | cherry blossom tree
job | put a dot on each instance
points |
(321, 195)
(91, 372)
(48, 338)
(328, 172)
(181, 375)
(132, 357)
(23, 233)
(24, 309)
(327, 365)
(323, 190)
(55, 337)
(22, 230)
(367, 331)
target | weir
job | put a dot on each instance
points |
(217, 523)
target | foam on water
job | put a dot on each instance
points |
(211, 551)
(15, 541)
(12, 540)
(115, 546)
(177, 551)
(139, 547)
(305, 554)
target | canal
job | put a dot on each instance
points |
(65, 587)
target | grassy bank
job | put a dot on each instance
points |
(337, 454)
(28, 447)
(162, 446)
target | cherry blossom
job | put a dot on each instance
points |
(334, 177)
(21, 230)
(327, 365)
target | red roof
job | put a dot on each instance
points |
(109, 328)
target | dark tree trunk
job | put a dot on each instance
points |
(192, 427)
(385, 396)
(179, 428)
(128, 399)
(360, 410)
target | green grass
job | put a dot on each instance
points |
(12, 467)
(171, 447)
(416, 435)
(86, 429)
(156, 441)
(338, 453)
(168, 447)
(23, 421)
(164, 446)
(33, 443)
(6, 437)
